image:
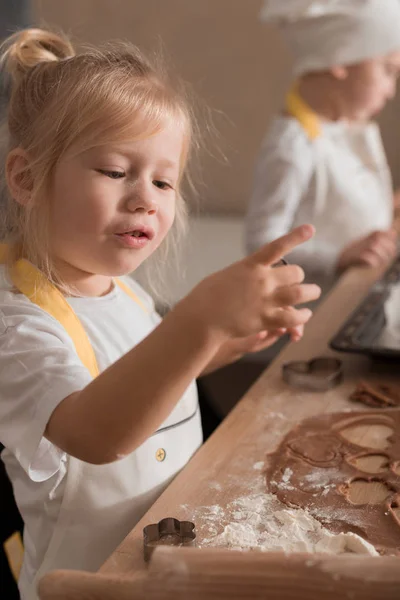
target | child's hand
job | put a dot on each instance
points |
(250, 296)
(235, 348)
(375, 250)
(296, 333)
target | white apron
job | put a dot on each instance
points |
(102, 503)
(351, 188)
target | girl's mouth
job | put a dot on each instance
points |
(136, 238)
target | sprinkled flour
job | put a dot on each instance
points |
(258, 466)
(259, 521)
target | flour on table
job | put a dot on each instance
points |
(259, 521)
(258, 466)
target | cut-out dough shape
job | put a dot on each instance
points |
(324, 465)
(377, 394)
(368, 436)
(370, 463)
(312, 452)
(361, 491)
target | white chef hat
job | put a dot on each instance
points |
(324, 33)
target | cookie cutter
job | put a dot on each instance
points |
(316, 375)
(168, 532)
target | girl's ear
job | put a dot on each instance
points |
(19, 176)
(339, 72)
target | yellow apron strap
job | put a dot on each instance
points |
(14, 550)
(35, 286)
(308, 119)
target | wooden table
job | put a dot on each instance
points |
(229, 465)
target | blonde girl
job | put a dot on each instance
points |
(98, 405)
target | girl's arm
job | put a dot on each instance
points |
(125, 404)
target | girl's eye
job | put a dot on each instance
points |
(163, 185)
(112, 174)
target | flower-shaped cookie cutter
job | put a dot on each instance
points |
(168, 532)
(316, 375)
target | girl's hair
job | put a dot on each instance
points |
(58, 98)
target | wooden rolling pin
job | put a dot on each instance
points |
(216, 574)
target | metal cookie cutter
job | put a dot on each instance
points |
(168, 532)
(317, 375)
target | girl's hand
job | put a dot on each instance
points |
(375, 250)
(250, 296)
(296, 333)
(235, 348)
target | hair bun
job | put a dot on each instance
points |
(27, 48)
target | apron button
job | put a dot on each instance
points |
(161, 454)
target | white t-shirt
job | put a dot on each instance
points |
(75, 514)
(340, 182)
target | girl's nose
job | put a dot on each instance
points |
(141, 198)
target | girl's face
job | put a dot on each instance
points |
(367, 86)
(112, 206)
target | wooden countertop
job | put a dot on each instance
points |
(228, 466)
